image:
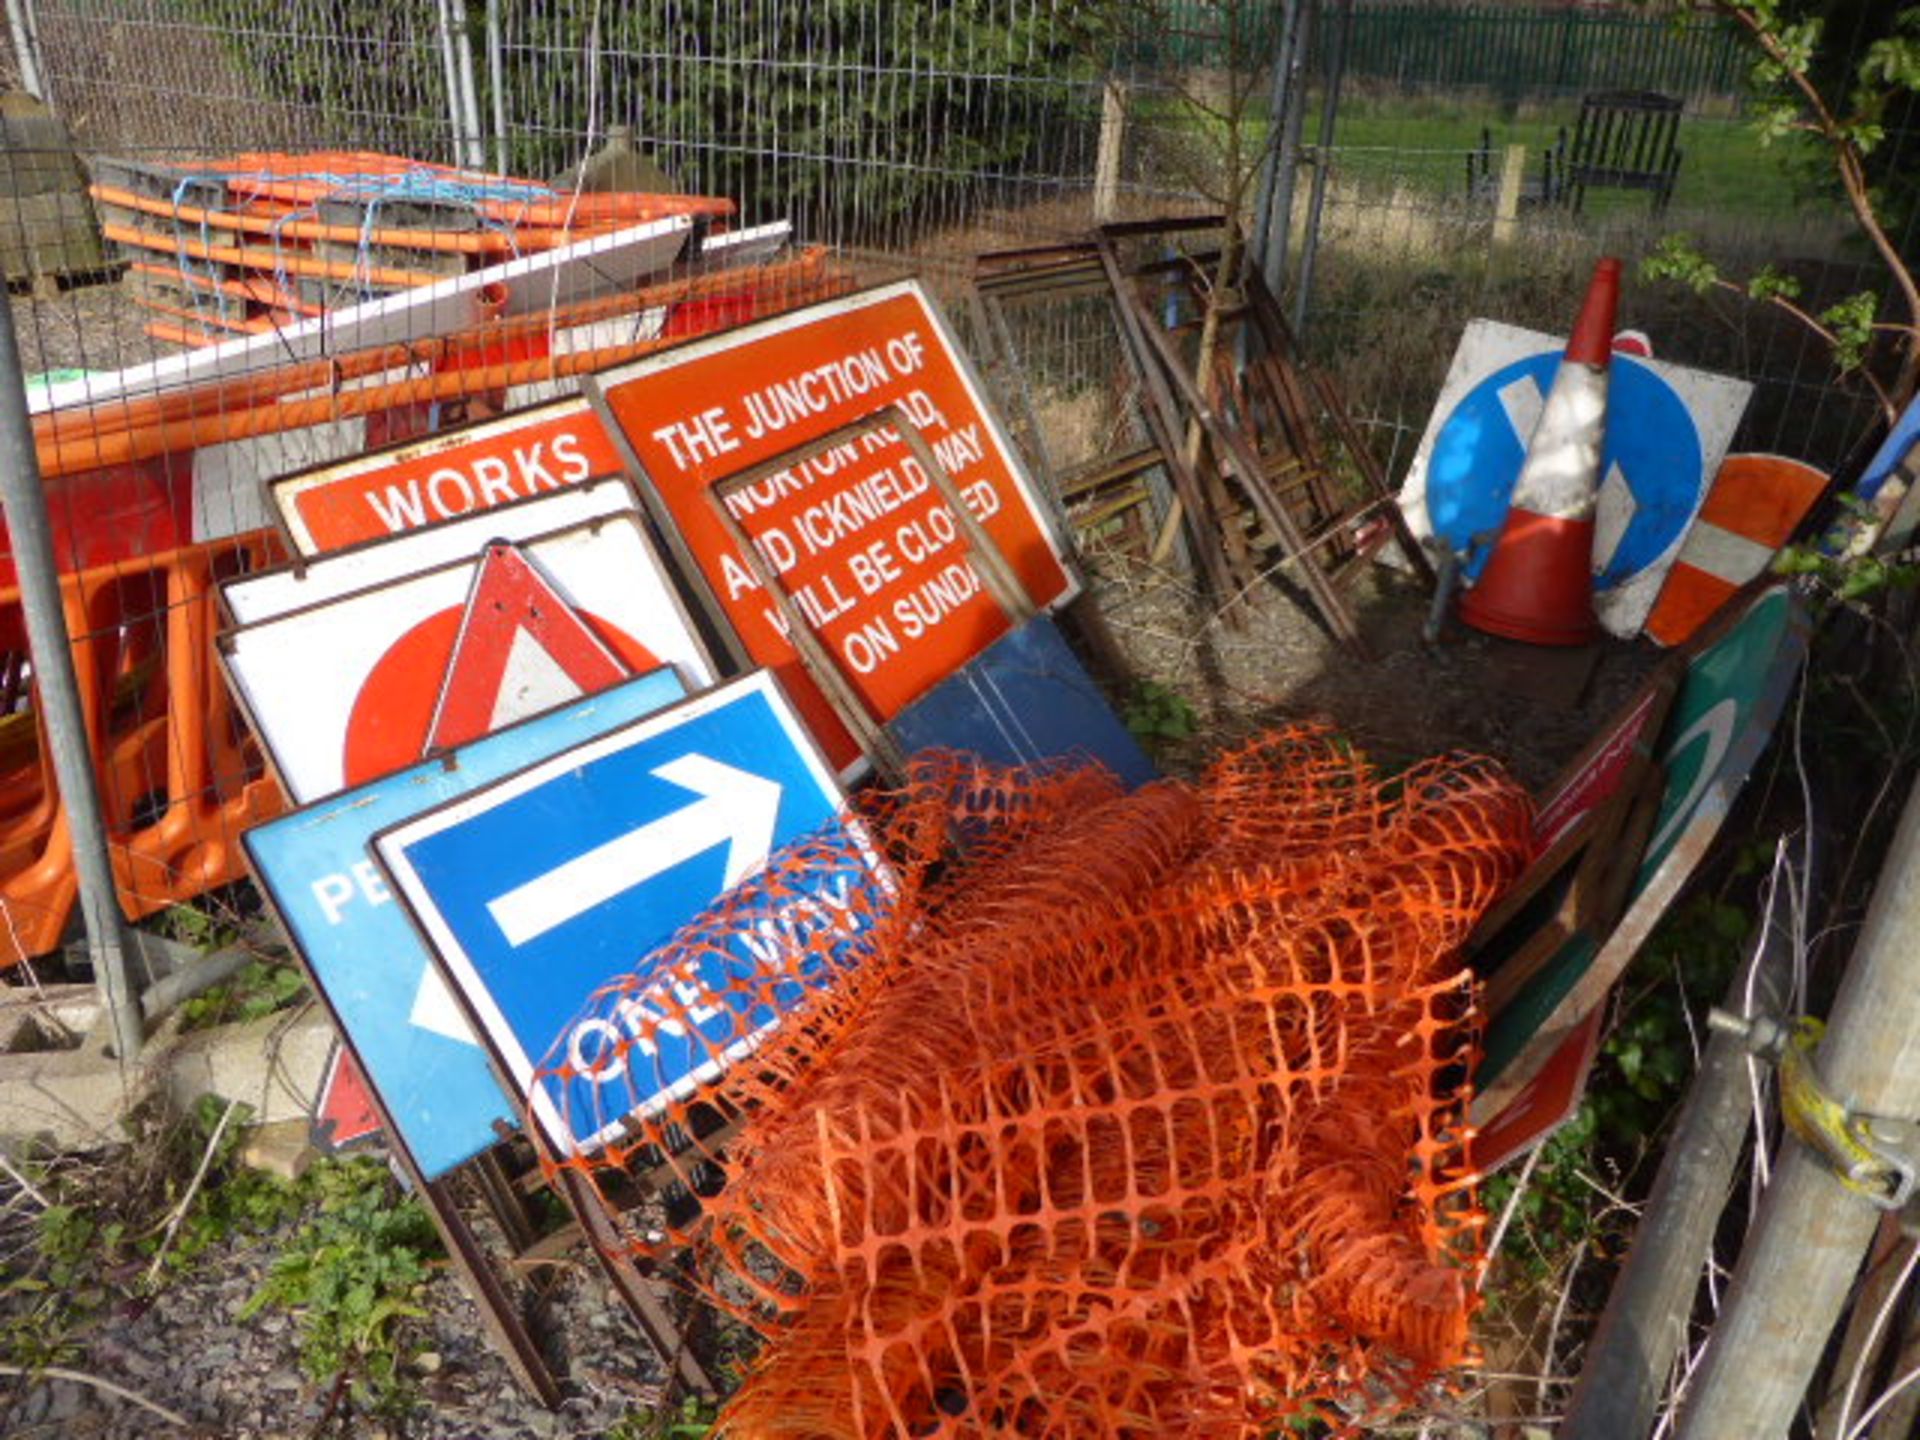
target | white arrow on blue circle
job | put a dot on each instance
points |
(734, 809)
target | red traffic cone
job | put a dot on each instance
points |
(1538, 585)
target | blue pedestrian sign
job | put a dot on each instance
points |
(413, 1042)
(539, 891)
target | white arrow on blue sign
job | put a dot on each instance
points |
(540, 890)
(414, 1045)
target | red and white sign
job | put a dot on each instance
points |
(1755, 505)
(1550, 1099)
(521, 649)
(1544, 1104)
(267, 593)
(344, 1113)
(858, 536)
(1602, 772)
(459, 472)
(353, 688)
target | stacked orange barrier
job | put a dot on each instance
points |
(477, 362)
(1141, 1116)
(253, 241)
(179, 776)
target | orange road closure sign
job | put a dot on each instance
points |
(1750, 511)
(871, 555)
(455, 473)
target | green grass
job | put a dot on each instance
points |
(1724, 169)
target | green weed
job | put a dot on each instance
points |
(693, 1419)
(1155, 714)
(201, 928)
(258, 989)
(354, 1274)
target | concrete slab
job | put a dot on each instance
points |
(60, 1089)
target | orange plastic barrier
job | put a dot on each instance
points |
(179, 776)
(310, 177)
(268, 261)
(1142, 1115)
(127, 431)
(271, 220)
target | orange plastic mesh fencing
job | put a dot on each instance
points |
(1125, 1115)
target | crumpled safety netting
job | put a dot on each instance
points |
(1100, 1114)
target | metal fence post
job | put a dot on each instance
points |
(1268, 240)
(450, 77)
(1106, 165)
(1336, 50)
(1810, 1234)
(497, 82)
(472, 138)
(58, 695)
(26, 46)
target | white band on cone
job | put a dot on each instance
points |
(1563, 462)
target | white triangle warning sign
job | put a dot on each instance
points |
(533, 681)
(521, 649)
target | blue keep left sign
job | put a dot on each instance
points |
(538, 891)
(1653, 444)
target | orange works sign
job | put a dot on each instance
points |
(475, 467)
(858, 535)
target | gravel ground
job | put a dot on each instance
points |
(1528, 707)
(89, 327)
(188, 1353)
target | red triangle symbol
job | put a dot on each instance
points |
(521, 649)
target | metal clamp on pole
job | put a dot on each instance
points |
(1861, 1150)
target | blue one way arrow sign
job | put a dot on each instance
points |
(538, 891)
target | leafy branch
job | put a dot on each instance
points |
(1847, 327)
(1889, 66)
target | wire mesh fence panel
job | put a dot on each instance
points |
(294, 259)
(1457, 202)
(1518, 52)
(1405, 233)
(208, 76)
(926, 129)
